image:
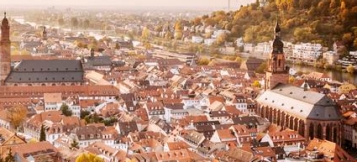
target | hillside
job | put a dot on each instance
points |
(319, 21)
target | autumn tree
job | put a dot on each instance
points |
(261, 68)
(256, 84)
(197, 21)
(145, 33)
(17, 115)
(203, 61)
(86, 24)
(350, 69)
(221, 39)
(89, 157)
(74, 22)
(42, 134)
(61, 21)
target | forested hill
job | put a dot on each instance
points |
(320, 21)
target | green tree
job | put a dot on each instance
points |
(65, 110)
(9, 157)
(89, 157)
(84, 114)
(350, 69)
(74, 144)
(42, 134)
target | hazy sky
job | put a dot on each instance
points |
(140, 3)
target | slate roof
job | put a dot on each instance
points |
(99, 61)
(304, 104)
(37, 71)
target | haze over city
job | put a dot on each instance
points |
(187, 80)
(132, 3)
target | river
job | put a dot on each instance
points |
(335, 75)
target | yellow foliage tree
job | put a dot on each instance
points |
(350, 68)
(256, 84)
(203, 61)
(89, 157)
(145, 33)
(17, 115)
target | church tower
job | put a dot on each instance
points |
(44, 34)
(277, 71)
(5, 52)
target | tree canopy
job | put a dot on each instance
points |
(65, 110)
(17, 115)
(89, 157)
(322, 21)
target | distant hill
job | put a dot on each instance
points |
(319, 21)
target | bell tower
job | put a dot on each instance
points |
(277, 71)
(5, 51)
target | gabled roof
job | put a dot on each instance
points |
(296, 101)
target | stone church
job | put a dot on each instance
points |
(36, 72)
(310, 113)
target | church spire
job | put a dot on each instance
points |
(5, 50)
(277, 71)
(277, 27)
(278, 45)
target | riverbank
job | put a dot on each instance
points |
(334, 74)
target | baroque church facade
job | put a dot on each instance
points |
(36, 72)
(309, 113)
